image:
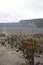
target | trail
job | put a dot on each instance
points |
(9, 57)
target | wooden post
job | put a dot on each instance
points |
(31, 51)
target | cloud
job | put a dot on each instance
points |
(37, 5)
(15, 10)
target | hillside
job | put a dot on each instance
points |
(25, 23)
(32, 23)
(9, 24)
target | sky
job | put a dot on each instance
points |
(16, 10)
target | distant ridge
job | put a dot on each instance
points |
(32, 23)
(25, 23)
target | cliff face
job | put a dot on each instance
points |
(25, 23)
(32, 23)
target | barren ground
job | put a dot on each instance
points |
(9, 57)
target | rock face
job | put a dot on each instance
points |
(25, 23)
(32, 23)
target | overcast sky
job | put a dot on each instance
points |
(15, 10)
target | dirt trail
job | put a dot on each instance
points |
(9, 57)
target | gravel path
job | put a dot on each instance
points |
(9, 57)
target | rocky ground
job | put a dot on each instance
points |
(9, 57)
